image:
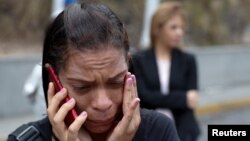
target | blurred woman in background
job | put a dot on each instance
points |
(166, 75)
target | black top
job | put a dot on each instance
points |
(153, 127)
(183, 77)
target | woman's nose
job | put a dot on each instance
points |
(180, 32)
(102, 101)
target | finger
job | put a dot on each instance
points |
(137, 107)
(127, 94)
(136, 119)
(128, 116)
(50, 92)
(133, 78)
(76, 126)
(59, 118)
(59, 97)
(135, 94)
(55, 103)
(63, 111)
(128, 74)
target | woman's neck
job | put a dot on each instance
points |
(98, 137)
(163, 52)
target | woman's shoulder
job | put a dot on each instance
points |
(184, 54)
(149, 115)
(36, 129)
(156, 127)
(154, 118)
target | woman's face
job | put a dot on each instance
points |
(95, 80)
(172, 31)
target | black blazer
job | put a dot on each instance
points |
(183, 77)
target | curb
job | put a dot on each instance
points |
(222, 106)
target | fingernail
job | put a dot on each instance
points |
(130, 81)
(137, 102)
(63, 90)
(71, 100)
(50, 84)
(138, 99)
(128, 75)
(133, 77)
(83, 114)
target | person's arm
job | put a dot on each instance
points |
(192, 83)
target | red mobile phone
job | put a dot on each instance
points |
(58, 86)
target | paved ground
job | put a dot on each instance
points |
(236, 116)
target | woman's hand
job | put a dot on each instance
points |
(127, 127)
(57, 114)
(192, 99)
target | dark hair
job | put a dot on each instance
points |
(82, 26)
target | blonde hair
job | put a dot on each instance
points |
(165, 11)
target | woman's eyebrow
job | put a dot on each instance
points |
(121, 74)
(79, 80)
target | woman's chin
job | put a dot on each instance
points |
(98, 129)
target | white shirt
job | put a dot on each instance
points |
(164, 76)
